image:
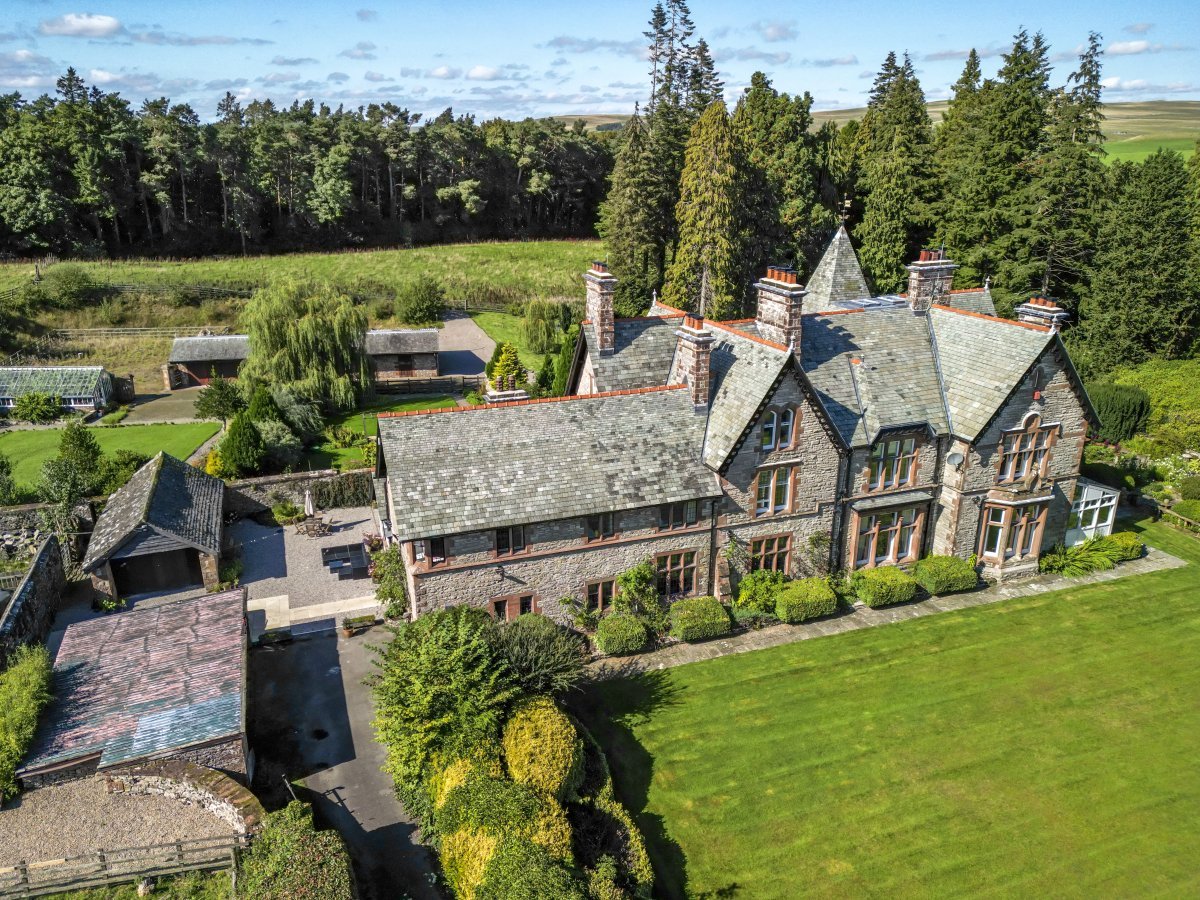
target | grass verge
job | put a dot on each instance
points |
(1040, 746)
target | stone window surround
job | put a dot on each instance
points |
(667, 512)
(684, 568)
(511, 611)
(919, 439)
(792, 471)
(601, 537)
(420, 570)
(774, 414)
(599, 584)
(1010, 510)
(915, 548)
(512, 551)
(1032, 425)
(757, 557)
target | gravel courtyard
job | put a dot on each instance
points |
(80, 817)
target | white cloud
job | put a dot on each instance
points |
(378, 76)
(445, 72)
(849, 60)
(24, 69)
(1142, 86)
(292, 60)
(1135, 48)
(103, 76)
(338, 76)
(1138, 27)
(81, 25)
(752, 54)
(776, 31)
(361, 50)
(569, 44)
(484, 73)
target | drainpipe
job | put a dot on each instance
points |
(839, 511)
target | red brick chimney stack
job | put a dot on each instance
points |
(693, 360)
(601, 286)
(1042, 311)
(780, 305)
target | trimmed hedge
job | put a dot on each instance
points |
(945, 574)
(1122, 409)
(291, 860)
(542, 750)
(884, 586)
(519, 870)
(1128, 544)
(24, 690)
(759, 590)
(698, 618)
(1189, 509)
(805, 598)
(621, 633)
(1106, 473)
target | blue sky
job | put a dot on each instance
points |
(556, 57)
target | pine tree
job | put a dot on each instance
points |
(704, 84)
(242, 447)
(708, 273)
(891, 213)
(1144, 299)
(655, 53)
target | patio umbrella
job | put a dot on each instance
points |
(308, 503)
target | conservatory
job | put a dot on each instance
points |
(1093, 512)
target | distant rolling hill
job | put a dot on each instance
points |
(1133, 130)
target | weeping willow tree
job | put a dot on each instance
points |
(307, 337)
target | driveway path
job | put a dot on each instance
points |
(463, 347)
(864, 617)
(310, 719)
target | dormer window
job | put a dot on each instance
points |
(1025, 452)
(893, 463)
(777, 429)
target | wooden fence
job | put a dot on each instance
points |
(81, 334)
(10, 580)
(1174, 518)
(442, 384)
(108, 867)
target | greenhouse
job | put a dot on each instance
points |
(83, 388)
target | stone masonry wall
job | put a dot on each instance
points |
(196, 785)
(558, 562)
(30, 611)
(254, 495)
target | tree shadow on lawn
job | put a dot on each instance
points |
(610, 707)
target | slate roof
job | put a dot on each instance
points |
(837, 277)
(210, 347)
(59, 381)
(401, 340)
(511, 464)
(981, 361)
(145, 682)
(743, 371)
(642, 352)
(165, 496)
(978, 300)
(895, 381)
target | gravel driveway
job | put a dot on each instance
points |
(79, 817)
(463, 347)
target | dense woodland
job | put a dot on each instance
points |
(85, 173)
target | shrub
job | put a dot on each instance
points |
(286, 512)
(441, 690)
(542, 749)
(68, 286)
(300, 414)
(1112, 475)
(945, 574)
(115, 417)
(637, 593)
(391, 582)
(1129, 545)
(805, 598)
(883, 586)
(1094, 555)
(219, 399)
(1189, 487)
(522, 871)
(508, 373)
(1189, 509)
(262, 406)
(545, 657)
(420, 302)
(698, 618)
(242, 447)
(24, 690)
(290, 860)
(215, 465)
(342, 436)
(8, 487)
(759, 590)
(500, 807)
(37, 407)
(464, 855)
(280, 446)
(620, 633)
(1123, 410)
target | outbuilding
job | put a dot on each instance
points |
(78, 388)
(196, 360)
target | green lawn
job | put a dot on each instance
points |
(1044, 746)
(1137, 149)
(29, 449)
(192, 886)
(501, 327)
(327, 456)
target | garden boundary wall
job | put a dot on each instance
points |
(30, 611)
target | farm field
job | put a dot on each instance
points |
(1037, 747)
(515, 270)
(27, 450)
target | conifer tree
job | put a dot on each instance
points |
(891, 211)
(708, 273)
(1144, 299)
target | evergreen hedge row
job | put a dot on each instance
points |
(883, 586)
(805, 598)
(1123, 410)
(945, 574)
(24, 690)
(621, 633)
(698, 619)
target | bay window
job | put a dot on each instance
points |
(1012, 532)
(888, 537)
(893, 463)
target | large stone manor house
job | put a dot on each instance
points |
(836, 429)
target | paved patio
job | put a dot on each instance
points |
(864, 617)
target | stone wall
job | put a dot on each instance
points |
(387, 368)
(23, 529)
(196, 785)
(30, 610)
(254, 495)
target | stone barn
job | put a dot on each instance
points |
(195, 360)
(161, 532)
(403, 353)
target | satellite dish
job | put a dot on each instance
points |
(955, 459)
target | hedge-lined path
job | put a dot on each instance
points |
(864, 617)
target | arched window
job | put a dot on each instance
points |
(787, 423)
(770, 423)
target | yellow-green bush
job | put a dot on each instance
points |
(465, 855)
(454, 773)
(24, 690)
(552, 830)
(543, 750)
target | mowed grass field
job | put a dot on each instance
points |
(363, 421)
(514, 270)
(1042, 746)
(27, 450)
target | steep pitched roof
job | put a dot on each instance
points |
(58, 381)
(514, 463)
(168, 497)
(145, 682)
(837, 277)
(981, 360)
(976, 300)
(401, 340)
(873, 370)
(206, 347)
(744, 369)
(642, 352)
